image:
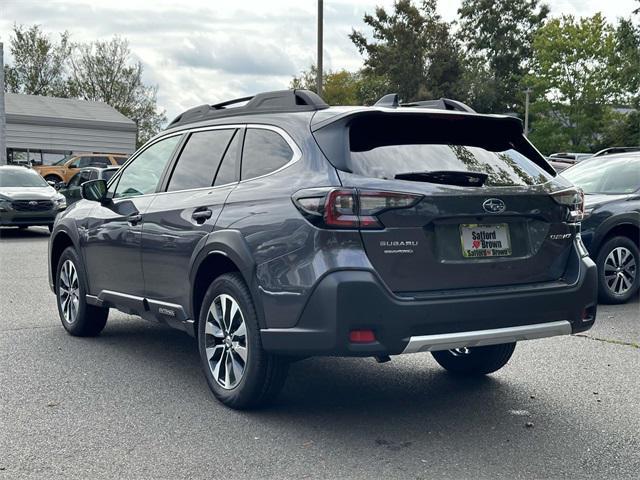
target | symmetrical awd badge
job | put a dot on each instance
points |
(494, 205)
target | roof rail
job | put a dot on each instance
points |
(392, 100)
(296, 100)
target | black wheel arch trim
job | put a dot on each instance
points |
(231, 244)
(609, 224)
(73, 235)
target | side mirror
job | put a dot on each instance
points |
(58, 185)
(94, 190)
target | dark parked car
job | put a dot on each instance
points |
(26, 199)
(72, 190)
(611, 229)
(286, 228)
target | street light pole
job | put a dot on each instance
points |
(3, 116)
(527, 92)
(320, 39)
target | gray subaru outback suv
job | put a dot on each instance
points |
(276, 227)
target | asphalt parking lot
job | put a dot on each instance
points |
(133, 403)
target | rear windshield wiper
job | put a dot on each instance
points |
(446, 177)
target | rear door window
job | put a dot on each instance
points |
(264, 151)
(228, 171)
(200, 159)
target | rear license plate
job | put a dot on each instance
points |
(482, 241)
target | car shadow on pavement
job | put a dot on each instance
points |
(17, 233)
(408, 407)
(408, 385)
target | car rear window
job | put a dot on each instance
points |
(382, 147)
(504, 168)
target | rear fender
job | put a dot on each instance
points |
(232, 245)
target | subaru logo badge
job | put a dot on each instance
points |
(33, 203)
(494, 205)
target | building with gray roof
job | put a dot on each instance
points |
(42, 130)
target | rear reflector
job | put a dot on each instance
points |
(362, 336)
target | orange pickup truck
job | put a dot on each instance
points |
(64, 169)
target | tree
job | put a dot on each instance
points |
(412, 51)
(626, 62)
(498, 37)
(343, 87)
(624, 128)
(338, 88)
(38, 62)
(105, 72)
(575, 82)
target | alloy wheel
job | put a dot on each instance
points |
(226, 341)
(69, 291)
(620, 270)
(459, 352)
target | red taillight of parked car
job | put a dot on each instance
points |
(350, 208)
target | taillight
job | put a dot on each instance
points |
(573, 199)
(349, 207)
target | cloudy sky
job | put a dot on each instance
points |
(204, 51)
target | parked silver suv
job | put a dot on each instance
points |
(26, 199)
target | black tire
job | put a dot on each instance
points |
(262, 375)
(53, 178)
(88, 320)
(607, 293)
(475, 360)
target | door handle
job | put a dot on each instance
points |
(201, 216)
(134, 219)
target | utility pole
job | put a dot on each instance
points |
(319, 62)
(3, 116)
(527, 92)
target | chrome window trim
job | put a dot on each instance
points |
(297, 153)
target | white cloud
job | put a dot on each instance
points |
(205, 51)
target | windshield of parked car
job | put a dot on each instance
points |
(21, 178)
(62, 161)
(606, 175)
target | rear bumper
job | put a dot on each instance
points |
(356, 299)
